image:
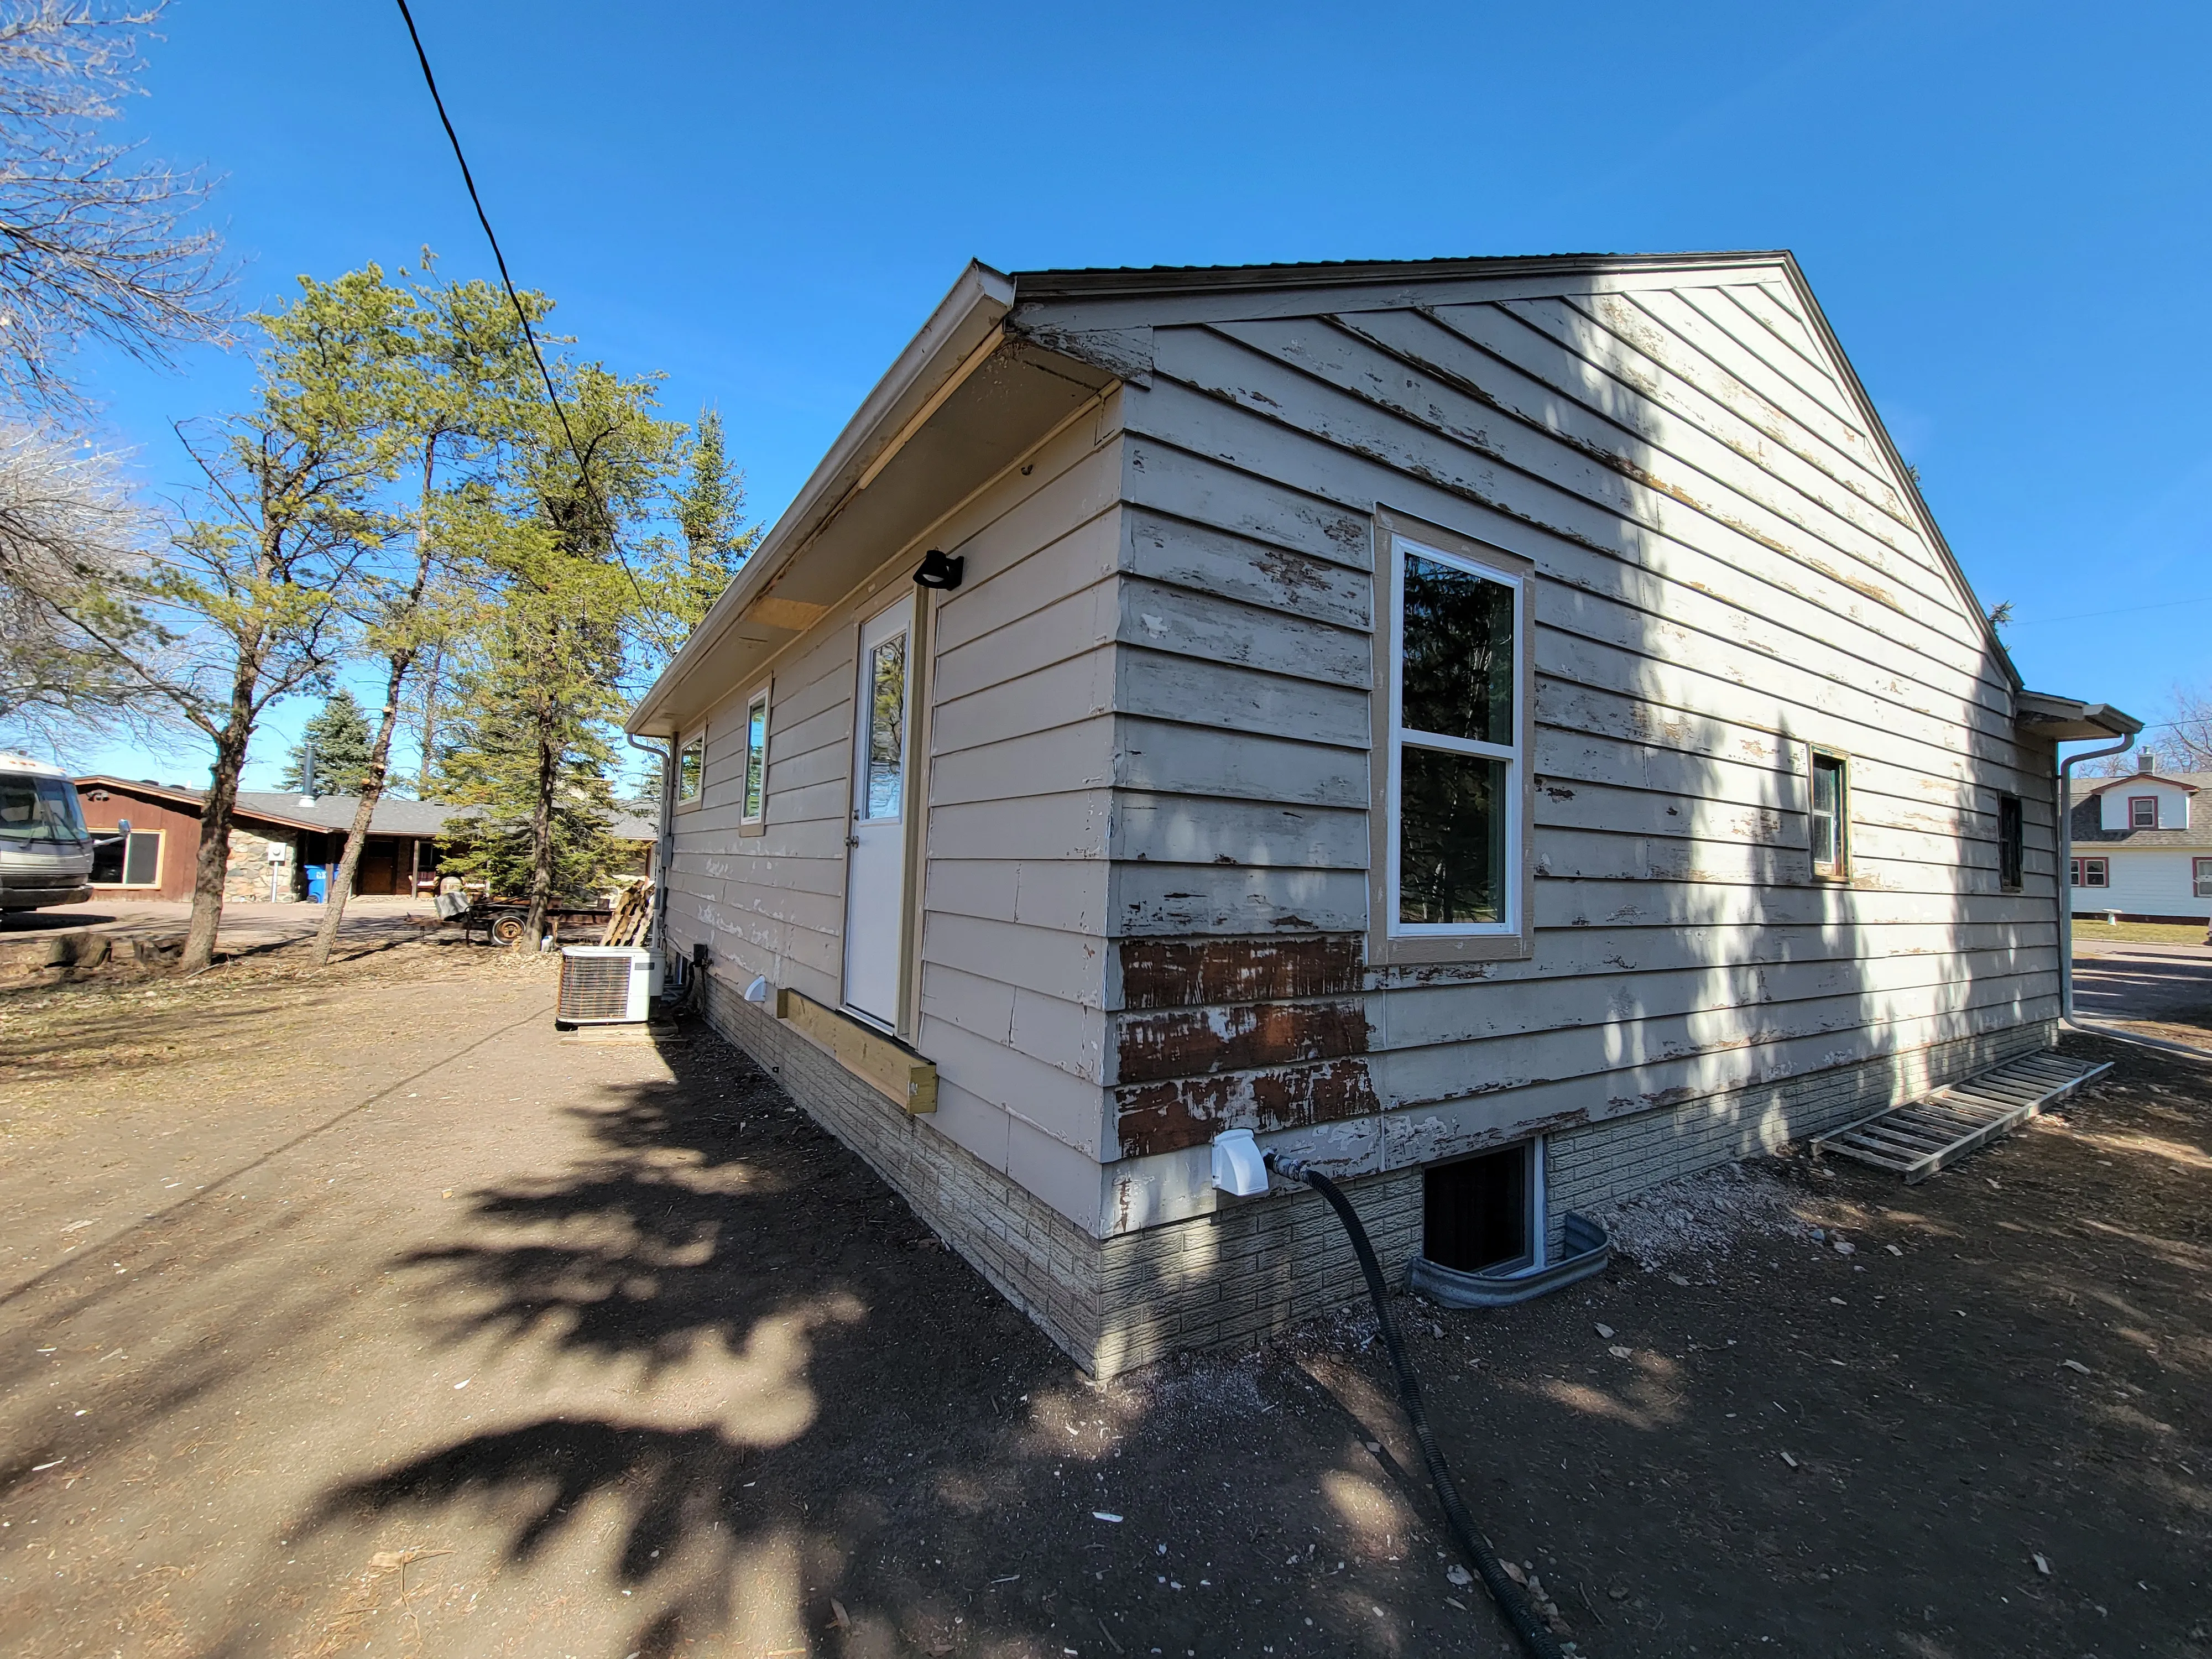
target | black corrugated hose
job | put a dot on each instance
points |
(1512, 1600)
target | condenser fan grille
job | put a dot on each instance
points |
(595, 988)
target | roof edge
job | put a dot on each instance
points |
(2070, 719)
(975, 303)
(1170, 279)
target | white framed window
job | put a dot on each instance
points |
(754, 814)
(690, 769)
(2142, 811)
(1831, 815)
(2088, 872)
(1453, 731)
(2200, 876)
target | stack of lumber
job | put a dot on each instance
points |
(632, 917)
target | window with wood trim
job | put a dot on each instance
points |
(2142, 811)
(1457, 754)
(756, 803)
(690, 769)
(132, 861)
(1831, 815)
(2011, 842)
(2088, 872)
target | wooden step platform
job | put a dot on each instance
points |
(1917, 1140)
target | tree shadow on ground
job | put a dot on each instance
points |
(779, 1365)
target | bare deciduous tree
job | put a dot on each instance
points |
(93, 238)
(70, 538)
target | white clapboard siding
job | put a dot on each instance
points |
(1727, 572)
(2145, 881)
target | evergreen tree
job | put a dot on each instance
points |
(342, 743)
(683, 582)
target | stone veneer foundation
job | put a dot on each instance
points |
(1256, 1266)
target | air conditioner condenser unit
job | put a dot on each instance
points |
(606, 985)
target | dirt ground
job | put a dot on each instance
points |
(363, 1314)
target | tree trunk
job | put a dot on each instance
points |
(340, 887)
(429, 722)
(213, 866)
(541, 831)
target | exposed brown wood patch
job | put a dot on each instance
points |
(1172, 973)
(1164, 1117)
(1184, 1042)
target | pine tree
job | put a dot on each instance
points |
(684, 582)
(341, 740)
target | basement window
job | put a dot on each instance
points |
(1830, 817)
(2012, 842)
(1477, 1213)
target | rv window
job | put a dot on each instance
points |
(2011, 841)
(38, 809)
(1831, 815)
(1456, 756)
(1475, 1211)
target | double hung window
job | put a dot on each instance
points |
(2089, 872)
(1831, 815)
(1452, 740)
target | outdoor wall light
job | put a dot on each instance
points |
(939, 571)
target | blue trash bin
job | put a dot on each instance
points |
(317, 883)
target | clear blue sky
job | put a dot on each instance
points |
(2005, 209)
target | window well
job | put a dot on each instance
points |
(1475, 1210)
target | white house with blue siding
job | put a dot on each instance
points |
(1509, 730)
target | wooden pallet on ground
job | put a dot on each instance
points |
(1917, 1140)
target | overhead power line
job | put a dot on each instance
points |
(529, 334)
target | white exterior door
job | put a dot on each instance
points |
(875, 879)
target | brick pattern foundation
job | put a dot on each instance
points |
(1256, 1266)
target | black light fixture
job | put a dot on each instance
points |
(939, 571)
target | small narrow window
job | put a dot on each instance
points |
(2201, 871)
(692, 767)
(1456, 760)
(2142, 811)
(1831, 815)
(1475, 1211)
(756, 758)
(2011, 841)
(2073, 872)
(885, 795)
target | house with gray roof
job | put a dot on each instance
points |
(2142, 845)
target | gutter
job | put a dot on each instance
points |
(949, 347)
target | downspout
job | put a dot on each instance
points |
(2065, 883)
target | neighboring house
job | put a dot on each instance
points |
(1508, 729)
(276, 835)
(2142, 845)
